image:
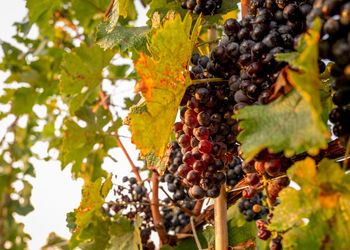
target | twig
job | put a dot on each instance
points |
(134, 169)
(157, 219)
(195, 234)
(138, 203)
(187, 211)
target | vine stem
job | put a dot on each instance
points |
(195, 234)
(220, 218)
(245, 7)
(157, 218)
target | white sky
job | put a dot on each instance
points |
(54, 192)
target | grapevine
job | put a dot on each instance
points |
(239, 121)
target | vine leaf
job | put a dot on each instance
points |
(82, 74)
(323, 199)
(287, 124)
(92, 229)
(303, 72)
(40, 12)
(163, 83)
(78, 142)
(123, 37)
(85, 11)
(240, 231)
(119, 8)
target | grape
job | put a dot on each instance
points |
(252, 208)
(205, 146)
(252, 179)
(248, 193)
(183, 170)
(273, 167)
(199, 166)
(264, 234)
(201, 133)
(193, 177)
(213, 192)
(275, 244)
(197, 192)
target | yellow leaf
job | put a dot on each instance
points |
(164, 79)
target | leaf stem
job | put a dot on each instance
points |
(195, 234)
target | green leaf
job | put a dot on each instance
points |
(86, 11)
(90, 225)
(163, 84)
(40, 12)
(124, 236)
(118, 71)
(323, 199)
(303, 72)
(119, 8)
(107, 185)
(23, 101)
(82, 74)
(54, 241)
(122, 37)
(286, 124)
(131, 102)
(239, 230)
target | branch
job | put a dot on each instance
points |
(157, 219)
(220, 217)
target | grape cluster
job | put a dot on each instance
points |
(335, 45)
(131, 202)
(175, 220)
(206, 7)
(206, 134)
(174, 184)
(234, 173)
(246, 55)
(252, 208)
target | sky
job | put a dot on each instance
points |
(54, 192)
